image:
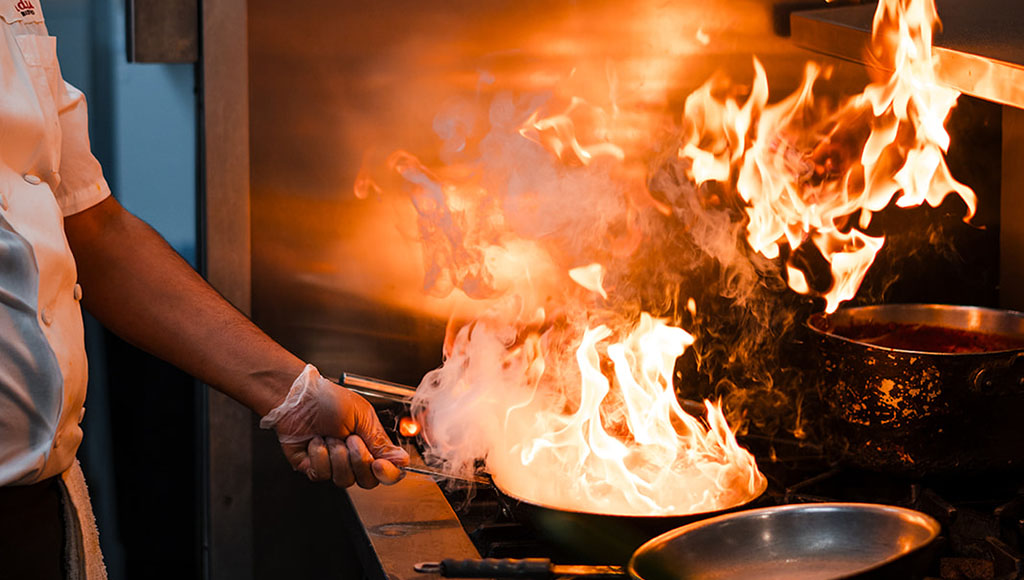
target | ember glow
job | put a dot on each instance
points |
(408, 427)
(559, 363)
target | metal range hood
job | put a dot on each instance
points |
(980, 50)
(980, 47)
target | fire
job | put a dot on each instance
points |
(558, 133)
(408, 427)
(559, 365)
(547, 376)
(590, 277)
(809, 174)
(602, 420)
(642, 455)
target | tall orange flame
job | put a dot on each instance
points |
(543, 379)
(562, 385)
(799, 170)
(608, 436)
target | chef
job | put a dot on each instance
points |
(65, 242)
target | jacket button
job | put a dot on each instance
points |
(78, 292)
(33, 179)
(47, 316)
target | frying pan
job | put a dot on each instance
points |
(826, 541)
(591, 536)
(594, 537)
(599, 537)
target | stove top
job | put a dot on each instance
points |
(982, 516)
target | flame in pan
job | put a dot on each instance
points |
(552, 375)
(595, 428)
(559, 366)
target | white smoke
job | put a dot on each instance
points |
(504, 224)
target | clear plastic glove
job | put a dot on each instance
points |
(329, 432)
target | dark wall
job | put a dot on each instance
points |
(141, 459)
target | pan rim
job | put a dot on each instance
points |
(640, 517)
(868, 308)
(930, 524)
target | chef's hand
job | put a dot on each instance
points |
(329, 432)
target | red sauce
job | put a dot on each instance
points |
(927, 338)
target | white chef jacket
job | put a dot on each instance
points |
(46, 172)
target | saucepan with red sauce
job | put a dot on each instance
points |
(923, 388)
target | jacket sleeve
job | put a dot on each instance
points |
(82, 184)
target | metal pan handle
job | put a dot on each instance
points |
(489, 568)
(511, 568)
(438, 474)
(371, 387)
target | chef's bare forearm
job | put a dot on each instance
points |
(138, 287)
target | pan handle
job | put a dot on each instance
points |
(368, 386)
(489, 568)
(432, 472)
(1005, 376)
(538, 568)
